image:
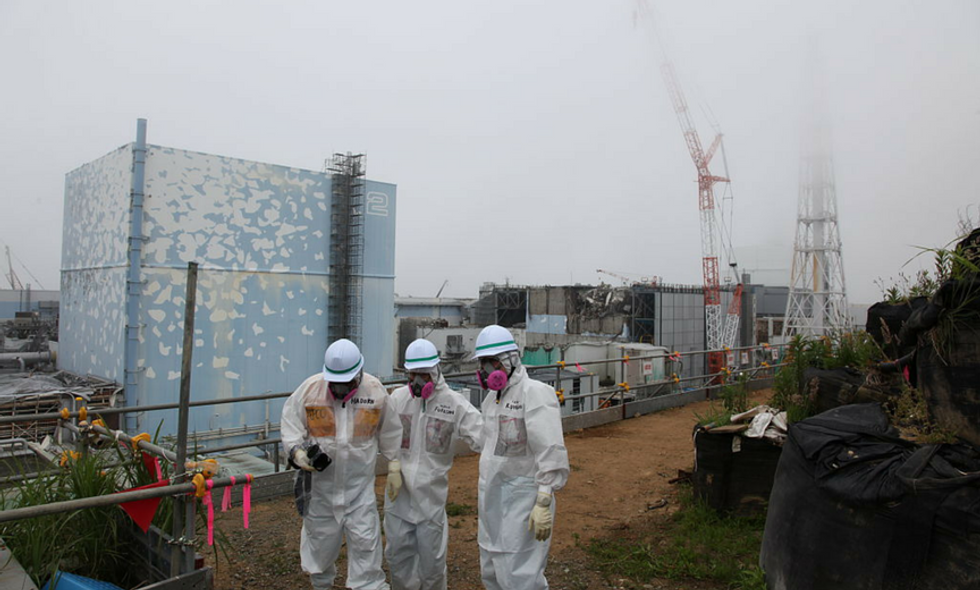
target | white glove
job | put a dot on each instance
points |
(540, 520)
(394, 483)
(301, 460)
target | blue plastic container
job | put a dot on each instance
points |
(66, 581)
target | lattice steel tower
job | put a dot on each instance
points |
(817, 303)
(345, 307)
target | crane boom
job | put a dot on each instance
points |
(12, 278)
(651, 281)
(626, 280)
(721, 331)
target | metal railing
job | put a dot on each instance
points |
(707, 382)
(610, 395)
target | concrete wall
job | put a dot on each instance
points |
(454, 313)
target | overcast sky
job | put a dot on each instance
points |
(530, 141)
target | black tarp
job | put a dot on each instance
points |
(855, 507)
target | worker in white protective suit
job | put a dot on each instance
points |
(332, 427)
(524, 461)
(433, 418)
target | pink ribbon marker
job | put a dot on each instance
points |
(247, 499)
(579, 367)
(226, 497)
(206, 500)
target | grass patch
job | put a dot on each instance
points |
(696, 543)
(454, 509)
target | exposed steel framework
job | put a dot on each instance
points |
(721, 331)
(817, 302)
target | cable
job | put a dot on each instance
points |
(728, 229)
(24, 267)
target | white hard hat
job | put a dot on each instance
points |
(342, 362)
(421, 354)
(492, 341)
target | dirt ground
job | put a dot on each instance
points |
(619, 482)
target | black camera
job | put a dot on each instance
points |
(318, 459)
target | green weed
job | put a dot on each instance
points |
(856, 350)
(735, 396)
(454, 509)
(697, 543)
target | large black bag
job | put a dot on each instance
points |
(855, 507)
(885, 322)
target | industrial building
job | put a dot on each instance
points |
(289, 260)
(666, 315)
(576, 323)
(42, 302)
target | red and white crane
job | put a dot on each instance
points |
(721, 331)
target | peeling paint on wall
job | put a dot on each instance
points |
(93, 259)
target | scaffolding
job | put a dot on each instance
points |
(643, 326)
(345, 307)
(511, 306)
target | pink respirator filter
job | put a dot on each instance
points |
(496, 381)
(427, 390)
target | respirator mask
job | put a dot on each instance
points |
(422, 384)
(344, 391)
(493, 378)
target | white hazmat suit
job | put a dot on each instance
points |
(523, 457)
(342, 500)
(415, 523)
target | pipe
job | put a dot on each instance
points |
(270, 396)
(149, 408)
(117, 498)
(134, 288)
(120, 435)
(255, 443)
(27, 358)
